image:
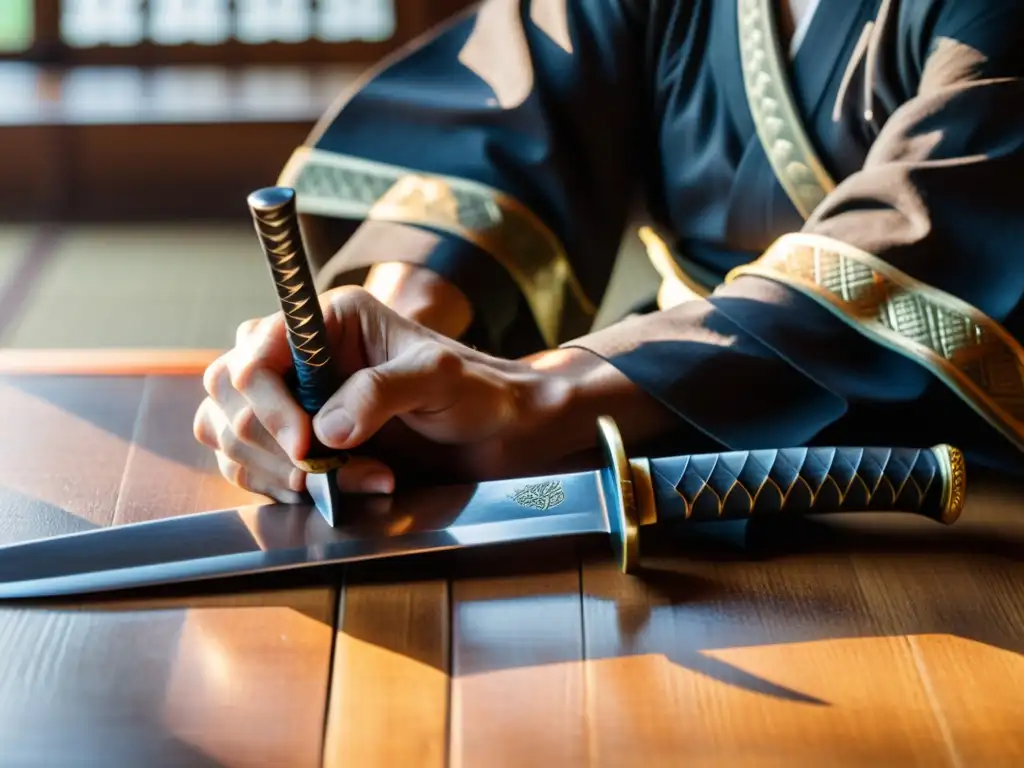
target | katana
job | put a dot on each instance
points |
(617, 502)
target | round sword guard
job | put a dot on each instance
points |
(620, 497)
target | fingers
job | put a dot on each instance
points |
(244, 422)
(245, 464)
(270, 472)
(243, 476)
(258, 430)
(273, 406)
(248, 383)
(425, 377)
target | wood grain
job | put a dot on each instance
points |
(955, 595)
(389, 690)
(518, 685)
(236, 680)
(167, 471)
(63, 449)
(239, 684)
(740, 662)
(976, 689)
(853, 641)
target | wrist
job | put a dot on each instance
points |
(421, 295)
(566, 390)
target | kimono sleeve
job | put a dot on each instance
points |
(899, 299)
(506, 139)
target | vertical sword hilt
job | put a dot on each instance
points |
(316, 377)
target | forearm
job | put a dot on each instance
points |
(421, 295)
(565, 391)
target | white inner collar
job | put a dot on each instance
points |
(803, 12)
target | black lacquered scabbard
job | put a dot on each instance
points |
(316, 376)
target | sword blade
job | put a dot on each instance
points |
(261, 539)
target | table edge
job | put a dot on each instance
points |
(107, 361)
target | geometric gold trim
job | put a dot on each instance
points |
(331, 184)
(773, 109)
(969, 352)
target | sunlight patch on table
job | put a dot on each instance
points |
(978, 689)
(232, 664)
(384, 707)
(869, 702)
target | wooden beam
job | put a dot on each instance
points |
(106, 362)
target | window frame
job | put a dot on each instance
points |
(412, 18)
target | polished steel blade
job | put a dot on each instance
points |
(260, 539)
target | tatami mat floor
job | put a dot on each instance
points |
(167, 286)
(14, 243)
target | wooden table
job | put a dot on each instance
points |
(868, 641)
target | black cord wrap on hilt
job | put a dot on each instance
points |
(277, 224)
(736, 485)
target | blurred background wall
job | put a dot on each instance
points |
(164, 109)
(131, 132)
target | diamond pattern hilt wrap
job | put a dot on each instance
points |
(277, 224)
(744, 484)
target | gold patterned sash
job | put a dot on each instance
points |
(966, 350)
(330, 184)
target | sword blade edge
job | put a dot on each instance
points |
(333, 554)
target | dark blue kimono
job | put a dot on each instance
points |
(561, 119)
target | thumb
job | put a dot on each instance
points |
(423, 377)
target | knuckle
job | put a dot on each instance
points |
(232, 446)
(356, 294)
(201, 428)
(440, 360)
(215, 377)
(241, 476)
(372, 384)
(232, 471)
(242, 373)
(296, 480)
(350, 299)
(246, 329)
(246, 425)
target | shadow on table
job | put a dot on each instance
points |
(156, 414)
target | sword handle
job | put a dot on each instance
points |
(315, 378)
(737, 485)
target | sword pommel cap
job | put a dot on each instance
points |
(271, 198)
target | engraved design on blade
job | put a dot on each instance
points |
(542, 496)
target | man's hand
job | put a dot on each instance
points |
(414, 400)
